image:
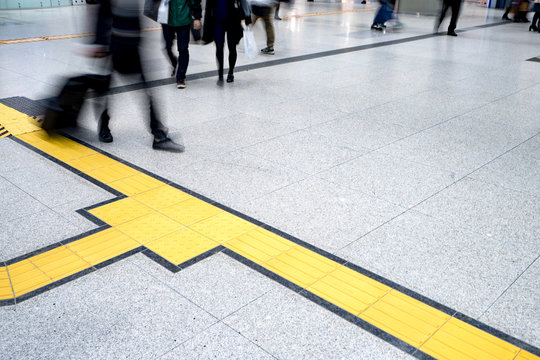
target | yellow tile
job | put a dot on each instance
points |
(191, 211)
(162, 197)
(525, 355)
(222, 227)
(111, 173)
(301, 266)
(404, 317)
(181, 246)
(91, 162)
(59, 263)
(149, 227)
(5, 285)
(135, 184)
(103, 246)
(26, 277)
(260, 245)
(22, 269)
(459, 340)
(121, 211)
(349, 290)
(3, 273)
(24, 286)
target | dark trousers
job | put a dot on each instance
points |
(455, 5)
(221, 28)
(182, 42)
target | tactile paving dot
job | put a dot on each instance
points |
(223, 227)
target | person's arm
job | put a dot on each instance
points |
(247, 11)
(196, 11)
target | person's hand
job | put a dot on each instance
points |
(248, 20)
(197, 24)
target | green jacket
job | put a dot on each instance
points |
(181, 12)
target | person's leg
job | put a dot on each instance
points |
(455, 4)
(269, 26)
(182, 35)
(168, 36)
(219, 39)
(444, 9)
(379, 16)
(231, 44)
(276, 13)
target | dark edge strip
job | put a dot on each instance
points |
(499, 334)
(266, 272)
(70, 278)
(106, 202)
(282, 281)
(534, 59)
(400, 344)
(4, 133)
(161, 261)
(247, 67)
(118, 258)
(66, 166)
(54, 285)
(201, 257)
(383, 335)
(91, 217)
(54, 246)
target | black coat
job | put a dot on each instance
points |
(237, 10)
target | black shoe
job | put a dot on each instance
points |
(277, 17)
(105, 135)
(230, 78)
(363, 2)
(506, 18)
(451, 33)
(377, 27)
(269, 50)
(533, 28)
(168, 145)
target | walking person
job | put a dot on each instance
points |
(182, 15)
(224, 17)
(455, 5)
(264, 9)
(118, 29)
(385, 13)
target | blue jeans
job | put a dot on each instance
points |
(384, 14)
(182, 41)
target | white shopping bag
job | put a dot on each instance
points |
(163, 12)
(250, 46)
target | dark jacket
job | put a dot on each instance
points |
(151, 8)
(118, 26)
(237, 10)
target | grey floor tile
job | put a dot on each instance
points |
(489, 210)
(291, 327)
(220, 285)
(514, 170)
(396, 180)
(457, 268)
(33, 232)
(360, 130)
(334, 217)
(517, 311)
(218, 342)
(304, 150)
(236, 177)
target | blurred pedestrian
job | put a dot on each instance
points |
(535, 25)
(455, 5)
(225, 17)
(264, 9)
(118, 28)
(385, 13)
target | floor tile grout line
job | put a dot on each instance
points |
(300, 289)
(509, 286)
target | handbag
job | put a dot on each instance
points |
(163, 12)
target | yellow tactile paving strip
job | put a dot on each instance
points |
(179, 227)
